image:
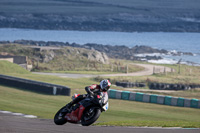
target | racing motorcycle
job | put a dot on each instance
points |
(85, 112)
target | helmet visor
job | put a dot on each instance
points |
(105, 88)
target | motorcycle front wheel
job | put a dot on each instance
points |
(90, 115)
(59, 118)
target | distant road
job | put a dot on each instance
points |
(149, 69)
(44, 47)
(17, 124)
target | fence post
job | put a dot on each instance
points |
(88, 67)
(127, 68)
(190, 71)
(111, 67)
(154, 70)
(165, 71)
(118, 68)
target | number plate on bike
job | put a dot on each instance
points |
(105, 107)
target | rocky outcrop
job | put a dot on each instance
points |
(47, 55)
(124, 52)
(146, 49)
(178, 53)
(97, 56)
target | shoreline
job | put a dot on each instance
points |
(138, 53)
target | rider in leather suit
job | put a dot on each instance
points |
(91, 91)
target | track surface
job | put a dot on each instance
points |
(17, 124)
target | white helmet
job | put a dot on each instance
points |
(105, 85)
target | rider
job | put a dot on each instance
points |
(91, 90)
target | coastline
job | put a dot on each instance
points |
(136, 53)
(173, 43)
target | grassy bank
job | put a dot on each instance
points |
(9, 68)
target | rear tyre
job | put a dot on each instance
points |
(59, 118)
(90, 115)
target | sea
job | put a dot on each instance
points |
(171, 41)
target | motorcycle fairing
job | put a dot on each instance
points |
(75, 116)
(86, 102)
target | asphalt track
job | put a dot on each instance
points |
(17, 124)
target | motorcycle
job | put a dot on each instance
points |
(85, 112)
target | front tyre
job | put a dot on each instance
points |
(59, 118)
(90, 115)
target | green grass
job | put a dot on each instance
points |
(120, 113)
(7, 67)
(106, 68)
(29, 103)
(183, 124)
(187, 75)
(79, 84)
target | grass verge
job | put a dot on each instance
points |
(150, 123)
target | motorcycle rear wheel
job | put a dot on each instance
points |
(59, 119)
(89, 117)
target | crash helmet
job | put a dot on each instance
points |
(105, 85)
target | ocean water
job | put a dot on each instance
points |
(172, 41)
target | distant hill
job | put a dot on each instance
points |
(102, 15)
(57, 58)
